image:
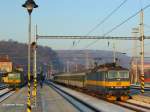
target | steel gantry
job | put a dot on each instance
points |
(90, 37)
(141, 39)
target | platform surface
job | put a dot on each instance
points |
(53, 102)
(102, 105)
(47, 101)
(16, 102)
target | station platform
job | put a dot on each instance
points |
(99, 104)
(142, 98)
(47, 101)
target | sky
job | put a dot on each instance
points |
(73, 17)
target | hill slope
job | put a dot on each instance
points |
(18, 54)
(84, 58)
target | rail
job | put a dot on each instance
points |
(2, 86)
(79, 104)
(5, 93)
(133, 106)
(139, 87)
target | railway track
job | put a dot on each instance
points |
(128, 105)
(5, 93)
(139, 88)
(3, 87)
(77, 103)
(134, 106)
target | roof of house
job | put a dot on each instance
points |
(5, 59)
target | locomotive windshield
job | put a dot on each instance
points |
(124, 74)
(112, 74)
(118, 74)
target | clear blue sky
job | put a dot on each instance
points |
(71, 17)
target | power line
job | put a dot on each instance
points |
(117, 26)
(106, 18)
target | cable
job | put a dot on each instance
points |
(117, 26)
(104, 20)
(107, 17)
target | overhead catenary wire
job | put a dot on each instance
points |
(118, 25)
(107, 17)
(104, 20)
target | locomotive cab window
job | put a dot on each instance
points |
(118, 74)
(124, 74)
(113, 74)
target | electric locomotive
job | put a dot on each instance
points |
(14, 79)
(108, 80)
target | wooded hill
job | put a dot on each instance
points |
(18, 54)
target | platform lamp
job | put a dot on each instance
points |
(29, 5)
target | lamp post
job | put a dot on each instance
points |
(29, 5)
(34, 92)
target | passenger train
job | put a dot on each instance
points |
(108, 80)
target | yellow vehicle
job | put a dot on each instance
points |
(109, 80)
(14, 79)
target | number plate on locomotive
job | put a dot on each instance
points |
(118, 83)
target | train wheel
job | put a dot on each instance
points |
(124, 98)
(111, 98)
(17, 89)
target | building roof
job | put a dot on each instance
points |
(5, 59)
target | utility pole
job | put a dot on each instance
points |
(114, 52)
(142, 50)
(87, 59)
(76, 65)
(135, 32)
(50, 70)
(68, 66)
(64, 69)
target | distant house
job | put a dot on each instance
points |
(136, 70)
(5, 64)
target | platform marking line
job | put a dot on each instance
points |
(43, 104)
(13, 104)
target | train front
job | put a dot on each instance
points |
(118, 83)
